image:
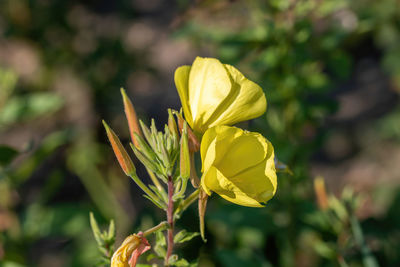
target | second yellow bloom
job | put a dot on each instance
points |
(238, 165)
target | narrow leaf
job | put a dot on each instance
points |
(184, 236)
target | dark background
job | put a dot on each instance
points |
(331, 74)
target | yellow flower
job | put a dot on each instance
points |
(238, 165)
(129, 251)
(213, 94)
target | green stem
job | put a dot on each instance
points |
(187, 202)
(170, 219)
(368, 259)
(161, 226)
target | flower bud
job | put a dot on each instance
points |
(202, 204)
(194, 144)
(320, 193)
(120, 152)
(184, 155)
(131, 117)
(172, 123)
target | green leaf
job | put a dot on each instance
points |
(325, 249)
(181, 263)
(29, 106)
(154, 202)
(7, 154)
(8, 80)
(95, 229)
(159, 248)
(111, 230)
(145, 161)
(174, 261)
(152, 256)
(184, 236)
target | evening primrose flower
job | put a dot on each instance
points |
(238, 165)
(213, 94)
(129, 251)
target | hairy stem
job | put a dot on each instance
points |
(170, 219)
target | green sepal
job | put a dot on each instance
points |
(158, 204)
(171, 122)
(184, 236)
(145, 161)
(95, 229)
(147, 134)
(184, 165)
(161, 194)
(145, 148)
(111, 230)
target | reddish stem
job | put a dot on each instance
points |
(170, 219)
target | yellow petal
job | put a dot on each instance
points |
(123, 253)
(224, 135)
(238, 165)
(209, 85)
(215, 181)
(243, 152)
(182, 83)
(258, 182)
(247, 100)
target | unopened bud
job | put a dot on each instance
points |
(131, 117)
(203, 197)
(148, 135)
(184, 155)
(194, 144)
(194, 179)
(172, 123)
(120, 152)
(320, 192)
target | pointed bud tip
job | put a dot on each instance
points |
(320, 192)
(131, 117)
(105, 125)
(123, 93)
(125, 97)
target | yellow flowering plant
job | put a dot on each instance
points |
(237, 164)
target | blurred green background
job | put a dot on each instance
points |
(331, 73)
